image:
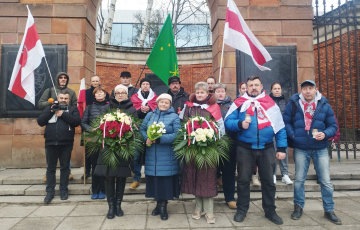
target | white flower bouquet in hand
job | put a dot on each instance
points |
(155, 131)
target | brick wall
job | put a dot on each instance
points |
(328, 76)
(190, 74)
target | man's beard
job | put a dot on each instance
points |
(254, 93)
(175, 90)
(63, 103)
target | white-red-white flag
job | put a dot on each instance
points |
(22, 82)
(82, 98)
(238, 35)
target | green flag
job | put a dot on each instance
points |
(162, 59)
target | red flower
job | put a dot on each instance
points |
(204, 125)
(126, 128)
(113, 135)
(196, 125)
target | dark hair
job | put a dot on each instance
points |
(211, 77)
(63, 91)
(252, 78)
(99, 88)
(276, 83)
(241, 84)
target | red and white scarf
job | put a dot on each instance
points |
(138, 100)
(268, 113)
(309, 110)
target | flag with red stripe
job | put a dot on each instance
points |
(238, 35)
(22, 82)
(82, 98)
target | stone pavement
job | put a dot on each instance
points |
(138, 216)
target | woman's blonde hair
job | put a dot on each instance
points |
(202, 85)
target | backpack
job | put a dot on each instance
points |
(293, 111)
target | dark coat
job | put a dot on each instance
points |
(280, 101)
(179, 99)
(323, 120)
(202, 182)
(62, 132)
(123, 168)
(159, 158)
(93, 111)
(131, 91)
(224, 108)
(90, 98)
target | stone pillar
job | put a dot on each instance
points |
(274, 23)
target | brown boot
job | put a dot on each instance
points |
(232, 204)
(134, 185)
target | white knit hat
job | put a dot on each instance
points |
(121, 87)
(164, 96)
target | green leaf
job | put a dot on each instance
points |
(180, 145)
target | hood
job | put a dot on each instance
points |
(277, 98)
(169, 111)
(212, 100)
(56, 82)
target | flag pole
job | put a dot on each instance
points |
(222, 56)
(140, 74)
(52, 81)
(83, 133)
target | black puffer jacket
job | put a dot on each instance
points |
(92, 111)
(280, 101)
(123, 169)
(179, 99)
(224, 108)
(63, 130)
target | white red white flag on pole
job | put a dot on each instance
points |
(238, 35)
(82, 97)
(22, 82)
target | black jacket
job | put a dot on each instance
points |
(63, 130)
(280, 101)
(179, 99)
(125, 106)
(93, 111)
(90, 98)
(131, 91)
(140, 114)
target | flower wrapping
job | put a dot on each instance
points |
(155, 130)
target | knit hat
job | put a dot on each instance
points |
(164, 96)
(125, 74)
(174, 79)
(121, 87)
(145, 79)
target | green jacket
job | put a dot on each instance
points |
(43, 102)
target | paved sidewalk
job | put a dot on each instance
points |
(138, 216)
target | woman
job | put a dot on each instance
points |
(242, 88)
(279, 99)
(100, 106)
(229, 167)
(161, 167)
(201, 183)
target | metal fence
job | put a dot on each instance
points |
(337, 66)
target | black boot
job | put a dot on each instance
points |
(110, 194)
(156, 211)
(163, 212)
(120, 187)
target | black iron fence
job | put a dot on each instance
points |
(336, 52)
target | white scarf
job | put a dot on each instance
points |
(149, 98)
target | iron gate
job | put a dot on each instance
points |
(337, 67)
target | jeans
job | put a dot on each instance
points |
(284, 167)
(265, 160)
(98, 184)
(228, 176)
(137, 167)
(53, 154)
(321, 164)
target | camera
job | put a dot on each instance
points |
(57, 107)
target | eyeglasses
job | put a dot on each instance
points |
(62, 77)
(123, 93)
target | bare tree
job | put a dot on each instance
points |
(109, 23)
(145, 28)
(154, 27)
(100, 21)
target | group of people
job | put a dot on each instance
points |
(259, 125)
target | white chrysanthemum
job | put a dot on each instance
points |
(111, 118)
(157, 125)
(195, 119)
(127, 120)
(153, 131)
(210, 135)
(197, 138)
(162, 125)
(154, 122)
(153, 126)
(159, 131)
(199, 131)
(192, 134)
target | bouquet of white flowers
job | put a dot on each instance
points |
(155, 131)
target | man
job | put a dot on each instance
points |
(61, 82)
(314, 124)
(144, 102)
(125, 79)
(179, 96)
(90, 99)
(255, 133)
(59, 141)
(211, 83)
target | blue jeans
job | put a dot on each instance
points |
(322, 165)
(137, 167)
(284, 167)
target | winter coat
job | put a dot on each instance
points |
(179, 99)
(63, 130)
(254, 138)
(201, 182)
(90, 98)
(123, 168)
(93, 111)
(43, 102)
(131, 91)
(159, 157)
(224, 108)
(323, 120)
(280, 101)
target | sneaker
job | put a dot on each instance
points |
(210, 218)
(297, 212)
(255, 180)
(71, 176)
(44, 179)
(274, 179)
(95, 196)
(232, 204)
(239, 216)
(273, 217)
(48, 198)
(332, 217)
(101, 195)
(196, 215)
(286, 179)
(134, 185)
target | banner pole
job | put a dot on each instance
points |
(52, 81)
(83, 133)
(222, 56)
(140, 75)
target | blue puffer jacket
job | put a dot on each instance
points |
(323, 120)
(253, 137)
(159, 158)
